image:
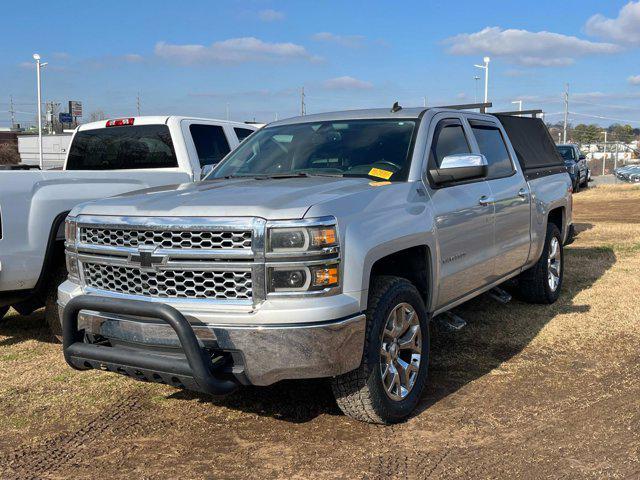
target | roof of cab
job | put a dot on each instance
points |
(373, 113)
(160, 120)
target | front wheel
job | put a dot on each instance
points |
(391, 378)
(51, 312)
(542, 282)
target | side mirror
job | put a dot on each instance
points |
(582, 157)
(206, 170)
(461, 166)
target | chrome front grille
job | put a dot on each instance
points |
(168, 239)
(183, 259)
(185, 284)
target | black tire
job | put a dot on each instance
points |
(3, 312)
(51, 314)
(534, 285)
(576, 185)
(360, 394)
(585, 184)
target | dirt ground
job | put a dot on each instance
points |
(523, 392)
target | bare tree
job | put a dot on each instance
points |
(9, 154)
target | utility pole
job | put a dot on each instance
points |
(12, 112)
(39, 66)
(604, 158)
(475, 97)
(227, 110)
(566, 113)
(303, 107)
(138, 103)
(424, 101)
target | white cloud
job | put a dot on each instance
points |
(634, 80)
(545, 49)
(132, 58)
(347, 83)
(270, 15)
(233, 50)
(623, 29)
(351, 41)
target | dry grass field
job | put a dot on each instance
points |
(523, 392)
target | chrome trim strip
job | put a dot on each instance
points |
(171, 252)
(173, 301)
(175, 223)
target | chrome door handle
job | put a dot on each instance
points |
(522, 193)
(484, 201)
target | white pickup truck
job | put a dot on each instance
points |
(105, 158)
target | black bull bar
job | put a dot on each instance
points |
(194, 371)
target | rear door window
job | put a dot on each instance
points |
(119, 148)
(492, 146)
(211, 143)
(242, 133)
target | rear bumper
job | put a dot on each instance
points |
(259, 354)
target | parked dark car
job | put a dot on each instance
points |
(576, 164)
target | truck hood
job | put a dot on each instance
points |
(273, 199)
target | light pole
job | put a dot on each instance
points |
(39, 65)
(486, 77)
(604, 158)
(519, 102)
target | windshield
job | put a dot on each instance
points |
(378, 149)
(566, 152)
(118, 148)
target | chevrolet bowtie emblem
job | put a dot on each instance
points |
(146, 258)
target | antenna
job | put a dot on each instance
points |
(396, 107)
(138, 103)
(303, 106)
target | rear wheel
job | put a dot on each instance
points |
(391, 378)
(576, 185)
(542, 282)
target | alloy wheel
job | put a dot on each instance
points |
(400, 351)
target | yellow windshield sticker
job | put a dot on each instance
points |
(378, 172)
(379, 184)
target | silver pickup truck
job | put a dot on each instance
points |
(321, 247)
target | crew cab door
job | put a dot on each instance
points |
(509, 193)
(463, 215)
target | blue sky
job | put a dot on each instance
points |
(195, 57)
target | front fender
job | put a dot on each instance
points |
(386, 220)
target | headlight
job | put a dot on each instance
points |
(303, 278)
(303, 256)
(302, 239)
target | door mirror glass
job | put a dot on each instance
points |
(582, 157)
(457, 167)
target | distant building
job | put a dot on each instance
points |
(54, 149)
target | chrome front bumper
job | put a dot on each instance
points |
(269, 352)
